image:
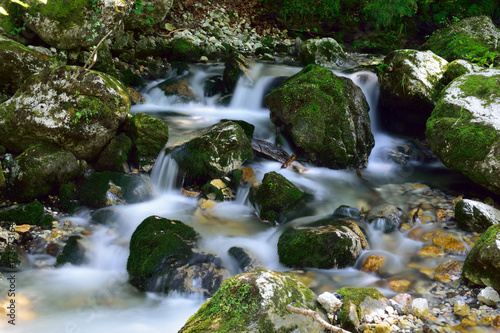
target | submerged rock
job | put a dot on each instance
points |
(324, 116)
(463, 130)
(79, 110)
(482, 264)
(409, 86)
(256, 302)
(73, 252)
(475, 216)
(327, 243)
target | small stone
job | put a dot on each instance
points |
(420, 307)
(329, 302)
(368, 319)
(189, 193)
(431, 251)
(431, 235)
(449, 243)
(496, 322)
(373, 264)
(22, 228)
(486, 321)
(399, 285)
(488, 296)
(467, 322)
(383, 327)
(461, 308)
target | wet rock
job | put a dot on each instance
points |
(449, 270)
(180, 88)
(217, 190)
(72, 25)
(78, 110)
(327, 243)
(457, 40)
(420, 307)
(18, 63)
(399, 285)
(449, 244)
(275, 197)
(256, 302)
(463, 130)
(408, 86)
(115, 154)
(431, 251)
(269, 151)
(386, 211)
(73, 252)
(347, 212)
(488, 296)
(31, 213)
(149, 136)
(324, 116)
(324, 52)
(246, 260)
(373, 264)
(236, 67)
(215, 152)
(481, 266)
(476, 216)
(102, 189)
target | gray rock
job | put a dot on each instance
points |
(475, 216)
(329, 302)
(137, 17)
(324, 52)
(488, 296)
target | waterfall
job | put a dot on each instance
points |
(165, 173)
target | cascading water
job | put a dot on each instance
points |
(96, 297)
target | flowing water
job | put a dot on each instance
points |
(96, 297)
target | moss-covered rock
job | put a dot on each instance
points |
(39, 171)
(358, 302)
(409, 87)
(475, 216)
(275, 197)
(150, 46)
(327, 243)
(217, 150)
(325, 52)
(325, 116)
(149, 136)
(68, 197)
(153, 11)
(75, 24)
(463, 130)
(457, 68)
(18, 63)
(77, 109)
(256, 302)
(31, 213)
(483, 262)
(466, 39)
(73, 252)
(236, 67)
(115, 154)
(183, 49)
(102, 189)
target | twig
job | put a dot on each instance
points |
(171, 32)
(93, 55)
(317, 317)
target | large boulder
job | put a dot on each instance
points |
(148, 12)
(76, 24)
(162, 259)
(115, 154)
(275, 197)
(475, 216)
(483, 262)
(409, 86)
(324, 116)
(77, 109)
(215, 152)
(464, 131)
(324, 52)
(466, 39)
(18, 63)
(256, 302)
(328, 243)
(39, 171)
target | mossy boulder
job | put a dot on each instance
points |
(153, 11)
(79, 110)
(75, 24)
(236, 67)
(103, 189)
(469, 38)
(475, 216)
(482, 264)
(31, 213)
(457, 68)
(463, 130)
(327, 243)
(215, 152)
(275, 197)
(162, 259)
(358, 302)
(256, 302)
(115, 154)
(72, 253)
(324, 116)
(149, 136)
(184, 49)
(409, 87)
(39, 171)
(18, 63)
(324, 52)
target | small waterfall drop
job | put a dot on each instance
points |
(165, 173)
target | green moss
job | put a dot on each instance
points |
(67, 13)
(10, 258)
(67, 196)
(354, 295)
(483, 87)
(31, 213)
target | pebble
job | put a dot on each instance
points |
(420, 307)
(488, 296)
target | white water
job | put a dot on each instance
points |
(96, 297)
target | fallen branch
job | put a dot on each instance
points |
(317, 317)
(171, 32)
(93, 55)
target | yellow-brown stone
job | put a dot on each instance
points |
(445, 278)
(189, 193)
(461, 308)
(399, 285)
(416, 233)
(431, 251)
(248, 176)
(22, 228)
(449, 243)
(486, 321)
(496, 322)
(451, 267)
(444, 215)
(432, 234)
(373, 263)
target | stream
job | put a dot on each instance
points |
(96, 297)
